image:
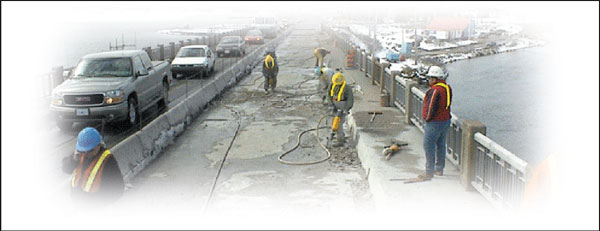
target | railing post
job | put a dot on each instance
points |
(470, 127)
(393, 87)
(383, 65)
(408, 103)
(373, 66)
(161, 54)
(172, 55)
(363, 59)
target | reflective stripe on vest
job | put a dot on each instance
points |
(340, 92)
(447, 93)
(90, 180)
(268, 60)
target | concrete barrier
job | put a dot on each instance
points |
(135, 152)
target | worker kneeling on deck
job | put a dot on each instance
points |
(95, 174)
(324, 74)
(342, 99)
(270, 70)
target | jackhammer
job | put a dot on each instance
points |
(334, 126)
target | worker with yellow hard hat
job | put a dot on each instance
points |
(342, 99)
(270, 70)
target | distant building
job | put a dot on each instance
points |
(451, 28)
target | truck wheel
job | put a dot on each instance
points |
(64, 125)
(132, 112)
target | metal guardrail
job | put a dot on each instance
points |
(499, 175)
(399, 96)
(387, 80)
(416, 99)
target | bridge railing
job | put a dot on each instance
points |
(499, 175)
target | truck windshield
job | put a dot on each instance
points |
(103, 67)
(191, 52)
(230, 40)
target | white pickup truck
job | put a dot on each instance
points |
(193, 60)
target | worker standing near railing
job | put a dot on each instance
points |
(436, 114)
(95, 174)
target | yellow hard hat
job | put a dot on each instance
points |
(338, 78)
(269, 60)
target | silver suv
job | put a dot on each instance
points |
(111, 86)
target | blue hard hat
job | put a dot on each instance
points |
(88, 139)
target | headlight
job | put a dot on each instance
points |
(198, 65)
(57, 99)
(114, 96)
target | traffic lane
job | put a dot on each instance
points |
(62, 143)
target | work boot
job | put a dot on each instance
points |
(438, 173)
(425, 176)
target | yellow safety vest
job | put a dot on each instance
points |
(447, 93)
(339, 97)
(77, 173)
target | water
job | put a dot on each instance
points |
(503, 91)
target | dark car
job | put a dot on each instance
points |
(231, 45)
(254, 37)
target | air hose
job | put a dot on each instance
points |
(298, 144)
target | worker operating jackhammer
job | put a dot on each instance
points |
(270, 70)
(324, 75)
(342, 99)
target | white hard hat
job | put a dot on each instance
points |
(437, 72)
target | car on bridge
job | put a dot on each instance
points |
(230, 45)
(111, 86)
(192, 60)
(254, 37)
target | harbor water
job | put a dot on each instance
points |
(505, 92)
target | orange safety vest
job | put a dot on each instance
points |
(92, 176)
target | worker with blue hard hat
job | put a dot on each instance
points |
(95, 173)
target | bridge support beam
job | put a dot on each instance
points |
(470, 128)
